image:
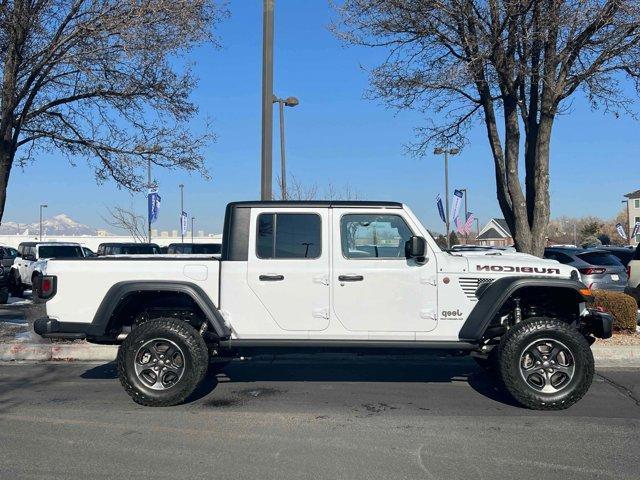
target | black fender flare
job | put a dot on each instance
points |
(496, 294)
(118, 292)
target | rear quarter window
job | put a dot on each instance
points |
(599, 258)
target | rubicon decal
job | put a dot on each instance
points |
(512, 269)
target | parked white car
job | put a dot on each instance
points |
(30, 264)
(346, 276)
(633, 269)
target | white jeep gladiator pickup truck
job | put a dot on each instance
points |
(318, 276)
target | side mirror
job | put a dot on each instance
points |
(416, 247)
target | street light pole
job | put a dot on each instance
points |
(41, 207)
(447, 152)
(267, 101)
(466, 212)
(181, 211)
(629, 227)
(283, 102)
(192, 220)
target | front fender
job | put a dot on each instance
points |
(499, 292)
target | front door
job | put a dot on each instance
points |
(375, 287)
(289, 266)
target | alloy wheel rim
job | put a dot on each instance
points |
(547, 365)
(159, 364)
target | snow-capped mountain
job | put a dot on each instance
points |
(59, 225)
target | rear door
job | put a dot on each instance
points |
(288, 266)
(375, 287)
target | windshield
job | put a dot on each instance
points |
(60, 251)
(138, 250)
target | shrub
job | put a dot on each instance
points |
(622, 307)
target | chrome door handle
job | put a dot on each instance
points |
(350, 278)
(271, 278)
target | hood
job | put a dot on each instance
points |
(518, 264)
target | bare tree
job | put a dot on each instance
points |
(296, 190)
(129, 221)
(511, 64)
(102, 80)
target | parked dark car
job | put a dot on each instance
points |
(7, 255)
(128, 249)
(598, 269)
(194, 248)
(88, 252)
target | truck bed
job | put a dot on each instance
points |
(93, 277)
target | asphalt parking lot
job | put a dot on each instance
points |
(334, 418)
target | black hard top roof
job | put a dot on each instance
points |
(315, 203)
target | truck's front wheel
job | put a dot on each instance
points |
(162, 362)
(545, 364)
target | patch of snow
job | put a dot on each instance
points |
(24, 337)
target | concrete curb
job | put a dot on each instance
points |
(57, 352)
(609, 355)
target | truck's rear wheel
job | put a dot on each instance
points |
(545, 364)
(162, 362)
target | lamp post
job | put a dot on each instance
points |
(629, 226)
(267, 101)
(181, 211)
(283, 102)
(192, 220)
(42, 205)
(477, 229)
(446, 152)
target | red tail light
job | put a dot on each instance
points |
(47, 287)
(592, 271)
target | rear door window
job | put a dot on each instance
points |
(599, 258)
(289, 235)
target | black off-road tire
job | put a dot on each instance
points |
(512, 346)
(196, 361)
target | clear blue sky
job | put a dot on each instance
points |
(334, 135)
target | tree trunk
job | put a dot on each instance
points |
(6, 161)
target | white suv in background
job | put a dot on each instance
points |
(633, 269)
(31, 261)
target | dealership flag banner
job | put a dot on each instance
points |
(469, 223)
(153, 205)
(440, 208)
(183, 223)
(457, 200)
(636, 229)
(621, 231)
(460, 226)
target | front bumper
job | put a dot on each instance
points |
(596, 323)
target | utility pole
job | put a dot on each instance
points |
(41, 207)
(447, 152)
(181, 211)
(192, 220)
(283, 102)
(266, 174)
(477, 228)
